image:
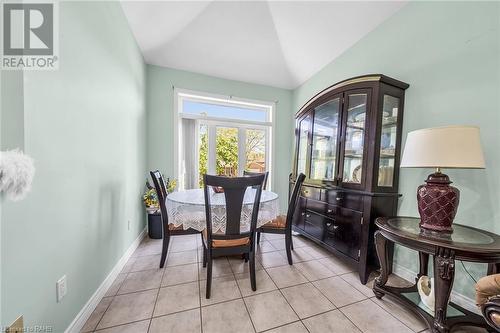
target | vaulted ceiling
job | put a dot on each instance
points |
(275, 43)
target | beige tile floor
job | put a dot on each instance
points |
(319, 293)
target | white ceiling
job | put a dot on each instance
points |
(275, 43)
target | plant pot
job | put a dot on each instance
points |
(154, 226)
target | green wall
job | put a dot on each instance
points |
(85, 127)
(449, 54)
(160, 105)
(11, 131)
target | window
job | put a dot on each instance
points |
(221, 135)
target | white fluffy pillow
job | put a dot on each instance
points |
(16, 174)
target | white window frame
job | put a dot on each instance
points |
(213, 122)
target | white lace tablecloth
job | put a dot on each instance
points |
(187, 208)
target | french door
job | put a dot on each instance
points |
(230, 148)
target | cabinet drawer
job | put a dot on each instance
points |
(311, 192)
(314, 225)
(321, 207)
(344, 199)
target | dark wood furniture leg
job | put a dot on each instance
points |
(383, 255)
(288, 246)
(164, 250)
(444, 274)
(493, 268)
(390, 257)
(209, 273)
(253, 281)
(424, 264)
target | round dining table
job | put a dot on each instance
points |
(187, 208)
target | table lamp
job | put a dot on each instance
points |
(456, 147)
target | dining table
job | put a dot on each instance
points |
(187, 209)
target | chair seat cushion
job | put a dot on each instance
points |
(277, 223)
(227, 242)
(171, 226)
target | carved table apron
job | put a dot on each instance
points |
(465, 243)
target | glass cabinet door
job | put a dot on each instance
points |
(388, 136)
(303, 146)
(324, 142)
(354, 135)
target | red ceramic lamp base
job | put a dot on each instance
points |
(437, 203)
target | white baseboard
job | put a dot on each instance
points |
(84, 314)
(462, 300)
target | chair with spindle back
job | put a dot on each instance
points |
(283, 223)
(233, 241)
(168, 229)
(266, 174)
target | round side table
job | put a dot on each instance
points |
(465, 243)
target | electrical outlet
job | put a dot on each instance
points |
(16, 327)
(61, 288)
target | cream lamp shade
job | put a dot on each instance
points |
(444, 147)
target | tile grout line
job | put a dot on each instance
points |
(199, 279)
(124, 324)
(391, 314)
(158, 293)
(233, 274)
(242, 298)
(286, 300)
(114, 296)
(336, 307)
(370, 298)
(99, 321)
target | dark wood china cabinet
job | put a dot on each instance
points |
(348, 143)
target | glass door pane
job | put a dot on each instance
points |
(304, 126)
(226, 150)
(324, 149)
(388, 140)
(255, 150)
(354, 138)
(202, 153)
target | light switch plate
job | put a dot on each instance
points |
(61, 288)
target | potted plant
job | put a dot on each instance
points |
(152, 205)
(150, 199)
(171, 185)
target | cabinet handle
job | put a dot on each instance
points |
(338, 198)
(308, 215)
(329, 211)
(303, 214)
(305, 192)
(328, 224)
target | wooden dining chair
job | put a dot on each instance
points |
(168, 229)
(233, 241)
(283, 223)
(250, 173)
